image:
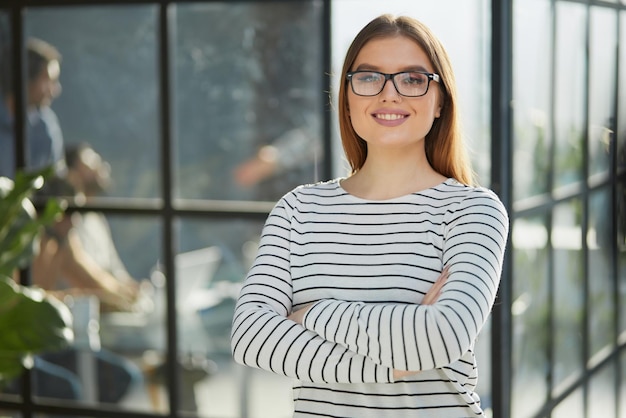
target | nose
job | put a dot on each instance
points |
(389, 92)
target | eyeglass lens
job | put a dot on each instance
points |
(369, 83)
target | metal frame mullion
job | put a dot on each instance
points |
(613, 150)
(501, 177)
(327, 123)
(550, 214)
(168, 213)
(19, 132)
(584, 196)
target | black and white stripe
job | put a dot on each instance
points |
(366, 265)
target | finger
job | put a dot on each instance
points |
(435, 291)
(441, 280)
(445, 272)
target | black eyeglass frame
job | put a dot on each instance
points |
(431, 77)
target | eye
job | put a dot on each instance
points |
(368, 77)
(414, 79)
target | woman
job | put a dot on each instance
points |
(371, 290)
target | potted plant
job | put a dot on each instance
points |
(30, 320)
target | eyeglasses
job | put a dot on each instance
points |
(407, 83)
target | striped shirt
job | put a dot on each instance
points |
(366, 265)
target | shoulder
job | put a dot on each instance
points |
(316, 191)
(311, 194)
(468, 195)
(464, 199)
(476, 203)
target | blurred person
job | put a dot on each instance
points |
(44, 138)
(78, 254)
(370, 290)
(292, 149)
(90, 176)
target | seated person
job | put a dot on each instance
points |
(64, 267)
(78, 255)
(89, 175)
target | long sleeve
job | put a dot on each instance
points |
(263, 337)
(421, 337)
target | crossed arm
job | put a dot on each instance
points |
(346, 342)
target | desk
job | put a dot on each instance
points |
(203, 329)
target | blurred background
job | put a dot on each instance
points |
(205, 113)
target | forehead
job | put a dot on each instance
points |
(392, 54)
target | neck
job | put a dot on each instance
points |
(393, 173)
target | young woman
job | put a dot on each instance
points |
(371, 290)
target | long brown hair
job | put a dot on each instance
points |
(444, 144)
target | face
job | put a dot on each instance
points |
(46, 87)
(91, 175)
(389, 119)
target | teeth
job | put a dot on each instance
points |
(388, 116)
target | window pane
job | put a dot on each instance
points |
(120, 252)
(569, 92)
(601, 397)
(214, 259)
(109, 84)
(621, 245)
(532, 95)
(622, 395)
(571, 407)
(601, 289)
(603, 38)
(530, 316)
(568, 291)
(248, 99)
(621, 122)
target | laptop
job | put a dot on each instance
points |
(194, 272)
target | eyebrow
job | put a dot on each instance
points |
(365, 67)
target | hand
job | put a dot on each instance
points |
(435, 291)
(399, 374)
(258, 168)
(298, 316)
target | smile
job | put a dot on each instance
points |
(389, 116)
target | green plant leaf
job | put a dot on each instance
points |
(19, 223)
(30, 322)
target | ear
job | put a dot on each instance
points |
(440, 103)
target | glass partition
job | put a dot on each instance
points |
(566, 238)
(601, 288)
(602, 85)
(109, 95)
(533, 98)
(247, 99)
(602, 394)
(530, 310)
(569, 93)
